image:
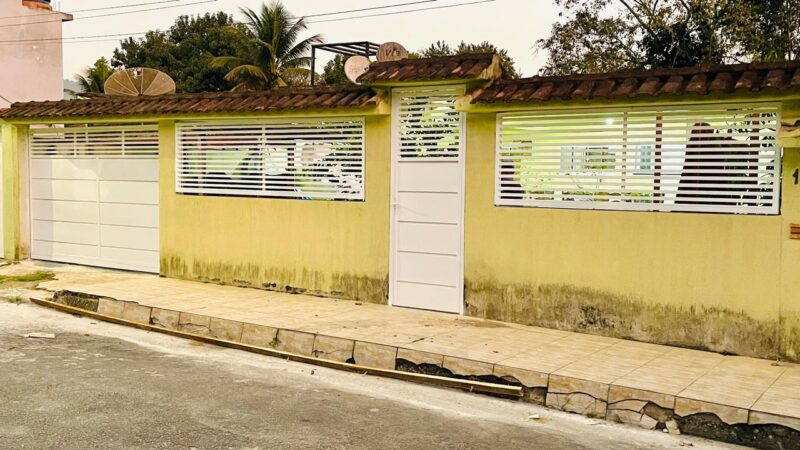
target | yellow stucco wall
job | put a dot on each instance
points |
(11, 196)
(332, 248)
(716, 281)
(790, 248)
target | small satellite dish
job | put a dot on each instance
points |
(391, 51)
(139, 81)
(355, 66)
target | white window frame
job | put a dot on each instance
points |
(773, 209)
(358, 126)
(129, 143)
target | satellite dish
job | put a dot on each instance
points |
(355, 66)
(391, 51)
(139, 81)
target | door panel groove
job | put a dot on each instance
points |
(92, 202)
(427, 215)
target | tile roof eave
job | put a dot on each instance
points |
(371, 108)
(409, 71)
(319, 100)
(717, 97)
(734, 80)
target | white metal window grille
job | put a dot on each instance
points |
(94, 141)
(428, 124)
(722, 158)
(296, 158)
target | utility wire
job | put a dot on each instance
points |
(361, 9)
(401, 12)
(132, 5)
(113, 14)
(85, 39)
(53, 13)
(396, 5)
(66, 40)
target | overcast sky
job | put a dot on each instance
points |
(511, 24)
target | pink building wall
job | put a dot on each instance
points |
(31, 70)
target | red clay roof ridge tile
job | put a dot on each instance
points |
(207, 102)
(701, 80)
(440, 68)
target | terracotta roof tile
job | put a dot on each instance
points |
(217, 102)
(457, 67)
(604, 88)
(650, 86)
(698, 84)
(723, 82)
(654, 82)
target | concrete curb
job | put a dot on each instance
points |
(499, 390)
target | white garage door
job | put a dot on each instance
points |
(94, 196)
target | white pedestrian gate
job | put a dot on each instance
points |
(94, 196)
(427, 264)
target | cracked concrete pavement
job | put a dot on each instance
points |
(99, 385)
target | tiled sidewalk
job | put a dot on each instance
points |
(649, 385)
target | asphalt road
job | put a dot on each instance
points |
(98, 385)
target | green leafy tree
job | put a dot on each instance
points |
(438, 48)
(333, 72)
(93, 78)
(276, 54)
(186, 49)
(441, 48)
(763, 30)
(605, 35)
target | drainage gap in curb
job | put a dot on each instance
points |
(80, 300)
(532, 394)
(710, 426)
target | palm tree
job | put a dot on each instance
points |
(94, 77)
(275, 56)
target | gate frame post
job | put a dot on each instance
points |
(16, 242)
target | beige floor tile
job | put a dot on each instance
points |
(621, 397)
(467, 367)
(295, 342)
(728, 414)
(418, 357)
(258, 335)
(782, 397)
(613, 362)
(112, 308)
(528, 378)
(165, 318)
(737, 382)
(578, 396)
(559, 353)
(135, 312)
(671, 372)
(762, 418)
(333, 348)
(375, 355)
(229, 330)
(194, 323)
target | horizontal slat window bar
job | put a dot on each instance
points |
(89, 141)
(720, 158)
(429, 124)
(292, 158)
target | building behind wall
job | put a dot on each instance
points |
(31, 54)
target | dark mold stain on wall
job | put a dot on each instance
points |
(583, 309)
(336, 285)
